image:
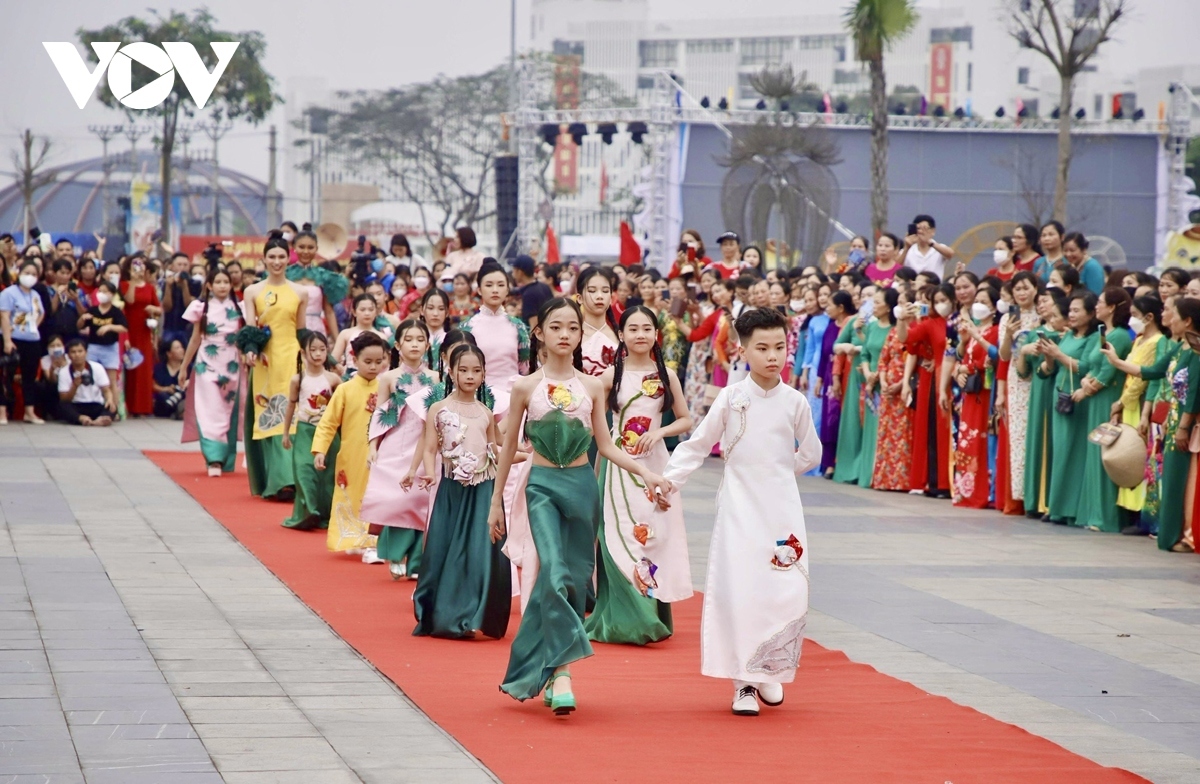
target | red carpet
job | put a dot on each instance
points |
(645, 714)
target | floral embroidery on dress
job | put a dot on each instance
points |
(653, 387)
(372, 401)
(781, 653)
(632, 432)
(460, 464)
(318, 401)
(561, 396)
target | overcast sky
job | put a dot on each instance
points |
(381, 43)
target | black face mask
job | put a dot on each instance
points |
(1132, 290)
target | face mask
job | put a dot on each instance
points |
(448, 286)
(797, 305)
(421, 282)
(943, 309)
(399, 292)
(897, 312)
(287, 236)
(1002, 306)
(28, 281)
(116, 280)
(377, 265)
(999, 256)
(979, 311)
(103, 297)
(57, 353)
(1137, 325)
(198, 278)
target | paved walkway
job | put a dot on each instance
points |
(140, 642)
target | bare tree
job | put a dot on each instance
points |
(1035, 183)
(29, 168)
(1068, 33)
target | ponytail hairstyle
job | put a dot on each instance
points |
(206, 295)
(405, 326)
(460, 351)
(535, 344)
(310, 337)
(668, 399)
(453, 338)
(275, 240)
(581, 284)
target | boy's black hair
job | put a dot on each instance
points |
(81, 343)
(759, 318)
(923, 218)
(745, 281)
(366, 340)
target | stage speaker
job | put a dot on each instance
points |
(507, 195)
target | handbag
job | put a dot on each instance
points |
(974, 384)
(1158, 414)
(1064, 404)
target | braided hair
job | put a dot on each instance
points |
(453, 338)
(309, 338)
(460, 351)
(206, 295)
(668, 400)
(547, 308)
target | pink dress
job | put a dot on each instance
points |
(504, 341)
(400, 420)
(314, 316)
(599, 351)
(216, 374)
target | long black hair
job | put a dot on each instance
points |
(312, 336)
(581, 284)
(668, 399)
(206, 296)
(460, 351)
(401, 328)
(452, 339)
(547, 308)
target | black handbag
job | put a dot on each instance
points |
(1064, 404)
(974, 384)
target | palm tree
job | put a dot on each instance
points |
(876, 25)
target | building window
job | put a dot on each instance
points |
(846, 77)
(658, 54)
(821, 41)
(764, 51)
(562, 47)
(746, 91)
(710, 46)
(952, 35)
(1022, 76)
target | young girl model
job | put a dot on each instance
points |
(565, 407)
(756, 593)
(324, 287)
(365, 311)
(503, 338)
(274, 311)
(214, 394)
(395, 437)
(350, 411)
(435, 305)
(599, 333)
(640, 389)
(309, 394)
(465, 579)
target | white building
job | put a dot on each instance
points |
(986, 68)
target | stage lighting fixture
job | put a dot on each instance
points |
(638, 131)
(550, 133)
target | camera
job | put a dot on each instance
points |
(86, 379)
(213, 253)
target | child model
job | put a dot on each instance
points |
(565, 407)
(434, 307)
(395, 437)
(308, 396)
(465, 583)
(364, 321)
(215, 378)
(637, 534)
(756, 595)
(350, 411)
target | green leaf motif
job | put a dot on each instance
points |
(210, 351)
(201, 367)
(232, 366)
(210, 328)
(230, 338)
(232, 313)
(230, 396)
(223, 380)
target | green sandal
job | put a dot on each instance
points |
(561, 704)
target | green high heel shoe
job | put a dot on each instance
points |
(561, 704)
(548, 694)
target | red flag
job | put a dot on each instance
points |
(631, 252)
(551, 246)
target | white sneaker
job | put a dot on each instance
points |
(745, 699)
(771, 694)
(371, 557)
(397, 569)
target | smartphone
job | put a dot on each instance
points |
(1103, 336)
(912, 229)
(678, 306)
(923, 309)
(691, 254)
(855, 257)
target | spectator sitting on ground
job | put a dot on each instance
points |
(168, 394)
(84, 394)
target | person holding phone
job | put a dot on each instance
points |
(921, 251)
(84, 392)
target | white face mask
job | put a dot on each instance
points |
(287, 236)
(103, 297)
(979, 311)
(1003, 307)
(28, 281)
(897, 312)
(999, 256)
(198, 278)
(398, 292)
(943, 309)
(1137, 325)
(421, 282)
(796, 305)
(114, 279)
